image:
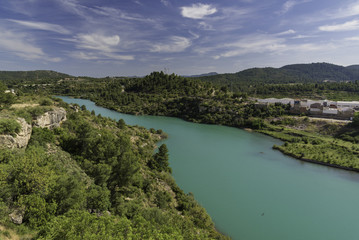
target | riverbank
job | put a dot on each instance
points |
(237, 176)
(95, 176)
(302, 136)
(314, 138)
(313, 161)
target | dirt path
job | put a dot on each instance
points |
(329, 120)
(22, 105)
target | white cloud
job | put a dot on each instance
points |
(84, 55)
(195, 35)
(97, 42)
(257, 43)
(300, 36)
(74, 7)
(175, 44)
(288, 32)
(347, 26)
(348, 11)
(100, 47)
(116, 13)
(289, 5)
(165, 2)
(115, 56)
(198, 11)
(138, 2)
(99, 56)
(205, 26)
(20, 45)
(352, 38)
(42, 26)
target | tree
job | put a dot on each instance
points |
(160, 159)
(121, 124)
(6, 99)
(356, 119)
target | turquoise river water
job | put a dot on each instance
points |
(251, 191)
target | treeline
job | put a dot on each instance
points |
(328, 90)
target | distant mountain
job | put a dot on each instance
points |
(203, 75)
(295, 73)
(354, 69)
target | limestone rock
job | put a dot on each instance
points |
(51, 119)
(20, 140)
(17, 216)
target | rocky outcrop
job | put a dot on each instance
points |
(17, 216)
(20, 140)
(51, 119)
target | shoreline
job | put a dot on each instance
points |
(242, 128)
(314, 161)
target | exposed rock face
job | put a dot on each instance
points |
(51, 119)
(20, 140)
(17, 216)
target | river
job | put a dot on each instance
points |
(251, 191)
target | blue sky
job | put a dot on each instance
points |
(135, 37)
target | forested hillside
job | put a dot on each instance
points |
(196, 101)
(12, 78)
(248, 80)
(91, 178)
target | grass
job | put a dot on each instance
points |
(309, 144)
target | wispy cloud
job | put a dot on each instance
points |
(42, 26)
(20, 45)
(347, 26)
(301, 36)
(347, 11)
(97, 42)
(198, 11)
(175, 44)
(165, 2)
(116, 13)
(98, 47)
(356, 38)
(256, 43)
(288, 32)
(100, 56)
(205, 26)
(290, 4)
(84, 55)
(74, 7)
(344, 10)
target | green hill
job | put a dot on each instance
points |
(11, 78)
(296, 73)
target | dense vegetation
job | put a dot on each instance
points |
(113, 166)
(172, 95)
(320, 141)
(193, 100)
(95, 178)
(297, 79)
(13, 78)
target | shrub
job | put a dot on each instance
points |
(46, 102)
(9, 126)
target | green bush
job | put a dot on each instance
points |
(41, 136)
(9, 126)
(46, 102)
